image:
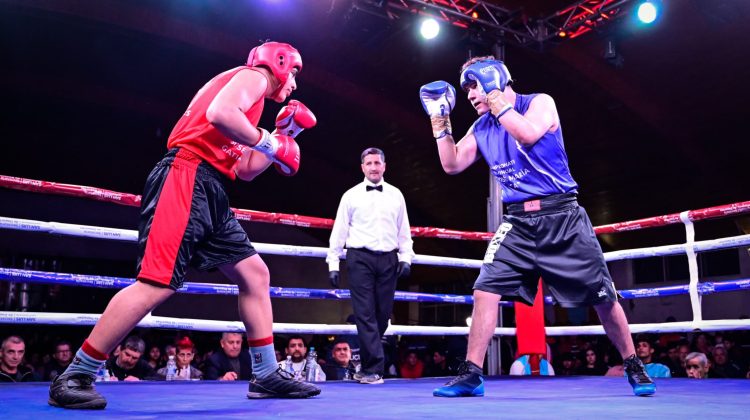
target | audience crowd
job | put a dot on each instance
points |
(224, 357)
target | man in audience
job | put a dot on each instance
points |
(439, 365)
(61, 358)
(297, 350)
(411, 367)
(673, 361)
(128, 366)
(696, 365)
(341, 366)
(231, 363)
(722, 367)
(11, 361)
(169, 350)
(645, 351)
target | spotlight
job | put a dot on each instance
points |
(647, 12)
(430, 28)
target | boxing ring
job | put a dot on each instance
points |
(517, 397)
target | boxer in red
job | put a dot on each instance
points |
(186, 219)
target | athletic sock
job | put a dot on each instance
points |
(263, 356)
(88, 360)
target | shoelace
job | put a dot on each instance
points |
(639, 372)
(284, 374)
(463, 372)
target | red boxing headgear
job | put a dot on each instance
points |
(279, 57)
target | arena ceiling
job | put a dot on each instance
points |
(91, 91)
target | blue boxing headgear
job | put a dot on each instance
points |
(505, 78)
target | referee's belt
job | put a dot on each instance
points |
(369, 251)
(543, 205)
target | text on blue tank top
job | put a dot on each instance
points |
(524, 172)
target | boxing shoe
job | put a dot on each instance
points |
(468, 383)
(637, 376)
(280, 384)
(368, 378)
(75, 390)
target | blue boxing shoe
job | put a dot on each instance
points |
(468, 383)
(638, 378)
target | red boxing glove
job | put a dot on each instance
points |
(281, 149)
(293, 118)
(286, 158)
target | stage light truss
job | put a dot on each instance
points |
(492, 21)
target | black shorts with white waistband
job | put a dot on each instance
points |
(551, 238)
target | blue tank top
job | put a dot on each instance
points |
(524, 172)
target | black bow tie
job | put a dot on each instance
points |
(377, 187)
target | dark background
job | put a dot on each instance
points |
(91, 90)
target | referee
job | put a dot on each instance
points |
(373, 225)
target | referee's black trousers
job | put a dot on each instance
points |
(372, 281)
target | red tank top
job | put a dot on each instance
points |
(194, 133)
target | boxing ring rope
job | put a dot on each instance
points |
(105, 282)
(695, 288)
(99, 194)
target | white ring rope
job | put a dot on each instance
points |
(73, 319)
(320, 252)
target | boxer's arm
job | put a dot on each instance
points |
(227, 110)
(455, 158)
(540, 118)
(251, 164)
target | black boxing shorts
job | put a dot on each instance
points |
(186, 221)
(551, 238)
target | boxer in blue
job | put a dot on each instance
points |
(544, 232)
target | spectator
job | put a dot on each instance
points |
(341, 366)
(702, 343)
(439, 365)
(696, 365)
(169, 350)
(11, 359)
(683, 350)
(154, 357)
(231, 363)
(185, 370)
(591, 366)
(296, 351)
(61, 358)
(567, 365)
(531, 364)
(411, 367)
(128, 366)
(645, 351)
(673, 361)
(722, 367)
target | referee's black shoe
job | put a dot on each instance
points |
(637, 376)
(280, 384)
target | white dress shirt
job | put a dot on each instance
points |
(371, 219)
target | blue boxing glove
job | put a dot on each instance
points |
(438, 100)
(491, 77)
